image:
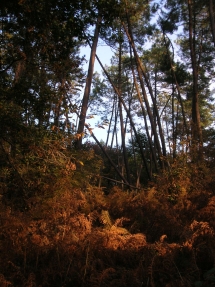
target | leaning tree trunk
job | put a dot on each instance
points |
(152, 149)
(114, 134)
(88, 83)
(152, 120)
(141, 71)
(176, 83)
(111, 118)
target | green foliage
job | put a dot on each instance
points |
(88, 169)
(184, 179)
(33, 163)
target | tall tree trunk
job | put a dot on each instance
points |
(115, 127)
(88, 83)
(176, 83)
(141, 71)
(196, 123)
(174, 139)
(125, 157)
(152, 120)
(144, 114)
(109, 127)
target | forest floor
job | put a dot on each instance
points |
(161, 236)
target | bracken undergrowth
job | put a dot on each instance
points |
(161, 236)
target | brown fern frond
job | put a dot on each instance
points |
(4, 282)
(94, 216)
(119, 230)
(105, 219)
(120, 222)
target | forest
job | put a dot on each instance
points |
(136, 208)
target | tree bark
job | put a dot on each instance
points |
(152, 120)
(125, 157)
(141, 72)
(88, 83)
(144, 114)
(196, 123)
(109, 127)
(115, 128)
(176, 83)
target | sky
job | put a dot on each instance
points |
(103, 52)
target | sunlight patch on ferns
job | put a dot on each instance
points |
(105, 219)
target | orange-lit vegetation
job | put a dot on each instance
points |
(68, 235)
(139, 208)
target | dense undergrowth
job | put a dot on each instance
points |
(160, 236)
